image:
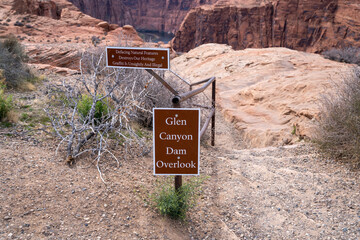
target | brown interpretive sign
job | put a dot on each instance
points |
(141, 58)
(176, 141)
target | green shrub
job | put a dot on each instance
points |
(12, 57)
(338, 131)
(84, 107)
(5, 104)
(175, 204)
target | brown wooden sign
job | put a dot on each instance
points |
(143, 58)
(176, 141)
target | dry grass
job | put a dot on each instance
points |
(347, 55)
(338, 131)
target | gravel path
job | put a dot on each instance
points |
(278, 193)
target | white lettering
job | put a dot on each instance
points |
(161, 164)
(170, 151)
(175, 137)
(174, 121)
(158, 162)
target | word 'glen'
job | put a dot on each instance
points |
(173, 121)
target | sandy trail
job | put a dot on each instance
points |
(276, 193)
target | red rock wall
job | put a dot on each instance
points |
(298, 24)
(226, 25)
(157, 15)
(39, 8)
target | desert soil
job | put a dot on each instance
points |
(287, 192)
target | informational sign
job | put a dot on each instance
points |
(176, 141)
(143, 58)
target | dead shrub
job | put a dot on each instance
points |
(338, 130)
(346, 55)
(96, 112)
(12, 58)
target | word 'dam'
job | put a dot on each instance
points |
(176, 141)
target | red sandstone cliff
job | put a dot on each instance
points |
(163, 15)
(55, 33)
(298, 24)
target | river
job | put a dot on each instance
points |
(154, 36)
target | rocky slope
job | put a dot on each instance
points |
(272, 95)
(163, 16)
(298, 24)
(55, 32)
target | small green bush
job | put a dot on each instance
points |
(175, 204)
(84, 107)
(5, 104)
(338, 130)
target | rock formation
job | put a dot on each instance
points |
(297, 24)
(162, 16)
(56, 32)
(271, 94)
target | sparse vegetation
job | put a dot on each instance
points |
(12, 58)
(347, 55)
(84, 107)
(338, 133)
(5, 104)
(175, 204)
(97, 111)
(5, 101)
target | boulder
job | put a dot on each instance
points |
(271, 95)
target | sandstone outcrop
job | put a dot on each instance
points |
(297, 24)
(271, 94)
(40, 8)
(56, 32)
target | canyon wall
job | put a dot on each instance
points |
(56, 33)
(156, 15)
(297, 24)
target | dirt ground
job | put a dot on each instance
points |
(287, 192)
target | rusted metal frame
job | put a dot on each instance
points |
(202, 106)
(213, 98)
(200, 82)
(182, 97)
(178, 182)
(178, 178)
(160, 79)
(207, 122)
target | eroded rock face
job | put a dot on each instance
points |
(272, 94)
(40, 8)
(163, 16)
(55, 33)
(297, 24)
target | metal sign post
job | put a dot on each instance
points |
(176, 150)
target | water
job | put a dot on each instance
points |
(154, 36)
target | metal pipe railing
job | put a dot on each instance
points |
(200, 82)
(184, 96)
(207, 122)
(171, 89)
